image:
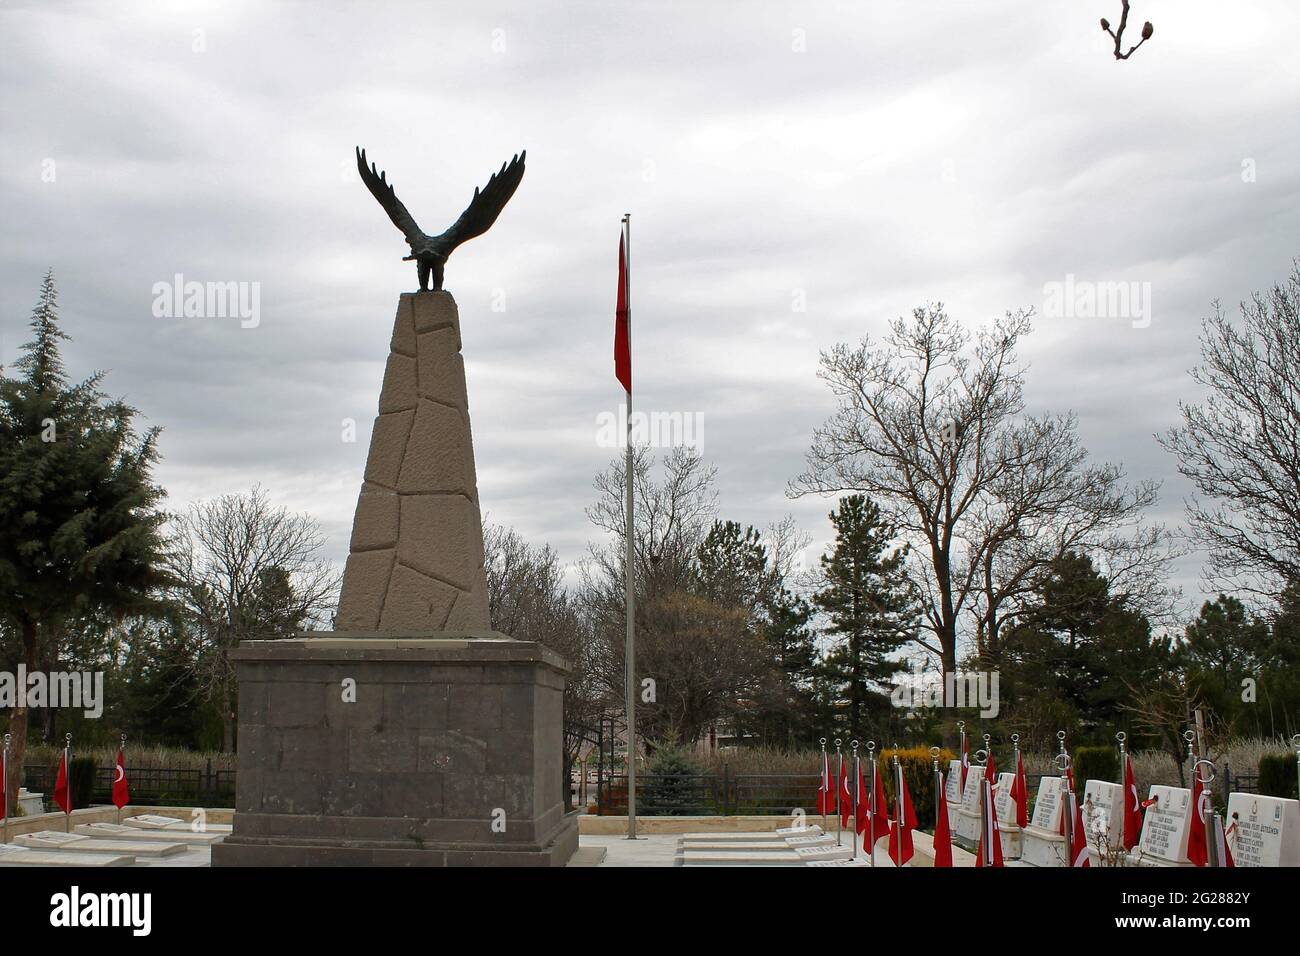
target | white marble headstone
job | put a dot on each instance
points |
(1266, 832)
(952, 785)
(970, 797)
(1047, 805)
(1002, 802)
(1165, 826)
(1103, 810)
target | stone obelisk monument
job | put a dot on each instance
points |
(412, 734)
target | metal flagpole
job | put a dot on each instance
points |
(839, 827)
(1067, 826)
(67, 764)
(4, 773)
(825, 782)
(1210, 819)
(1295, 742)
(122, 749)
(857, 780)
(938, 781)
(898, 804)
(986, 831)
(629, 677)
(871, 799)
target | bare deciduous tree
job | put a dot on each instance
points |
(935, 432)
(246, 570)
(1118, 34)
(1241, 446)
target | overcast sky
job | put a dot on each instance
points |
(865, 157)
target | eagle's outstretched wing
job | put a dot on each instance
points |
(377, 183)
(487, 203)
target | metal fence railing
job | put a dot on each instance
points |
(149, 786)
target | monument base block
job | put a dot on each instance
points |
(356, 750)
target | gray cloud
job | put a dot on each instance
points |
(964, 153)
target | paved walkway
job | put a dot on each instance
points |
(657, 849)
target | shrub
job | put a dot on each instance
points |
(1278, 775)
(673, 787)
(918, 774)
(1096, 763)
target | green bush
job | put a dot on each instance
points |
(918, 773)
(1095, 763)
(673, 787)
(1277, 775)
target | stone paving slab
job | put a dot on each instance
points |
(112, 831)
(690, 857)
(153, 821)
(811, 853)
(857, 862)
(54, 841)
(12, 855)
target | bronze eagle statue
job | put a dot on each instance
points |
(430, 252)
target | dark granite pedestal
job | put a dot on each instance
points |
(427, 751)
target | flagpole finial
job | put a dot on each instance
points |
(871, 746)
(961, 726)
(855, 746)
(68, 738)
(823, 743)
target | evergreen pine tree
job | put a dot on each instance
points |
(870, 605)
(80, 530)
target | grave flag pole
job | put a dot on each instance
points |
(938, 782)
(965, 759)
(986, 834)
(871, 799)
(839, 775)
(1211, 817)
(4, 776)
(857, 786)
(824, 788)
(898, 804)
(1295, 742)
(623, 371)
(67, 764)
(1067, 815)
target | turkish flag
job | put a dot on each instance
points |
(900, 836)
(1132, 806)
(824, 803)
(991, 770)
(622, 332)
(62, 795)
(845, 795)
(1197, 843)
(995, 843)
(1079, 851)
(965, 761)
(942, 837)
(880, 825)
(121, 793)
(1020, 792)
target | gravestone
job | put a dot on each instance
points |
(952, 792)
(1265, 831)
(411, 735)
(1103, 819)
(1164, 829)
(966, 832)
(1005, 808)
(1041, 843)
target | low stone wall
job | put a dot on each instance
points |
(612, 825)
(107, 814)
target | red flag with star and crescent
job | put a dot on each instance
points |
(942, 836)
(622, 329)
(825, 804)
(121, 791)
(900, 832)
(1132, 806)
(1020, 792)
(62, 794)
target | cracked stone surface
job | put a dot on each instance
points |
(416, 556)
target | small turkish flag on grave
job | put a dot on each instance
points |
(825, 805)
(1079, 851)
(62, 794)
(1132, 806)
(1020, 792)
(992, 854)
(877, 824)
(846, 796)
(942, 837)
(904, 822)
(121, 792)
